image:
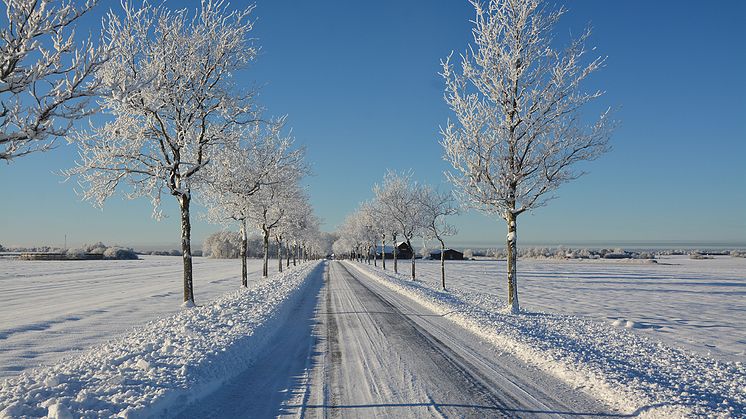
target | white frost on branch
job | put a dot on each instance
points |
(517, 102)
(45, 78)
(262, 157)
(169, 90)
(174, 105)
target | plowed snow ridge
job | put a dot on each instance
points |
(160, 367)
(630, 372)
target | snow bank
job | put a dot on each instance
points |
(631, 373)
(167, 363)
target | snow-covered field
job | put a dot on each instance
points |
(696, 305)
(51, 309)
(166, 363)
(662, 339)
(629, 368)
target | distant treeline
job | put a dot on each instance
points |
(108, 252)
(562, 252)
(226, 245)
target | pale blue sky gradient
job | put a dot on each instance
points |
(359, 81)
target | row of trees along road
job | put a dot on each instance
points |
(165, 79)
(402, 208)
(176, 122)
(517, 130)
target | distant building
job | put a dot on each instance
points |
(448, 254)
(403, 251)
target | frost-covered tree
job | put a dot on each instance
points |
(295, 209)
(399, 201)
(517, 101)
(380, 225)
(347, 243)
(298, 227)
(272, 203)
(45, 78)
(357, 232)
(316, 243)
(342, 247)
(237, 174)
(371, 227)
(435, 207)
(173, 105)
(222, 245)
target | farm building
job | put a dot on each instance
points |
(448, 254)
(403, 251)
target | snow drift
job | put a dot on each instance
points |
(167, 363)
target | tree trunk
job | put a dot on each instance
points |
(242, 251)
(186, 248)
(295, 255)
(265, 266)
(442, 264)
(375, 254)
(279, 255)
(410, 247)
(396, 265)
(383, 251)
(512, 247)
(288, 255)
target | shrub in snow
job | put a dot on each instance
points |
(734, 253)
(424, 252)
(496, 253)
(617, 255)
(172, 252)
(75, 253)
(120, 253)
(699, 256)
(96, 248)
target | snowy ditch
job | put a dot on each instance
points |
(162, 366)
(631, 373)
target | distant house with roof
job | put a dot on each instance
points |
(403, 251)
(448, 254)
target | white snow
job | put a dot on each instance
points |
(696, 305)
(163, 365)
(51, 309)
(662, 339)
(617, 358)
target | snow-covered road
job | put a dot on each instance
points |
(358, 349)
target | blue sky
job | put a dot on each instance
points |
(360, 85)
